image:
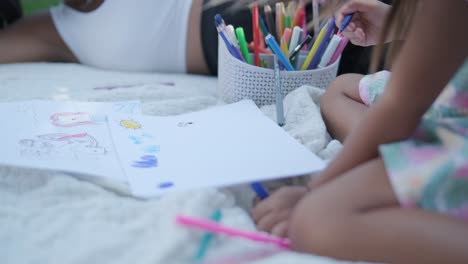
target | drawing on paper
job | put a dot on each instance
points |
(184, 124)
(69, 119)
(137, 140)
(130, 124)
(146, 161)
(61, 144)
(165, 185)
(152, 149)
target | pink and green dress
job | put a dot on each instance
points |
(430, 169)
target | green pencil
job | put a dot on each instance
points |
(206, 239)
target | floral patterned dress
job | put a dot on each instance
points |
(430, 169)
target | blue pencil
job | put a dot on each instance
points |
(271, 42)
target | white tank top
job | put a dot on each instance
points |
(143, 35)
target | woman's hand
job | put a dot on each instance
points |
(367, 23)
(272, 214)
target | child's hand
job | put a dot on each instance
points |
(367, 22)
(272, 214)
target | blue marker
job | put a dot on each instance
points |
(346, 20)
(271, 42)
(220, 27)
(259, 190)
(263, 27)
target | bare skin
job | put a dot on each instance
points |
(342, 106)
(34, 38)
(350, 210)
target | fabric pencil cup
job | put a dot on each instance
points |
(238, 80)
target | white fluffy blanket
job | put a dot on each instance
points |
(52, 217)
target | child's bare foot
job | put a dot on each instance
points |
(272, 214)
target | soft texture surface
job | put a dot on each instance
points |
(51, 217)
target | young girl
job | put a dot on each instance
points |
(398, 191)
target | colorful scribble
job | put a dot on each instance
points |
(136, 140)
(184, 124)
(69, 119)
(165, 185)
(130, 124)
(146, 161)
(139, 139)
(152, 149)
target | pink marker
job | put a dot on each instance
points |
(339, 50)
(287, 36)
(214, 227)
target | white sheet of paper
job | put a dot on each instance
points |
(220, 146)
(65, 136)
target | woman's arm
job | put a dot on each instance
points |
(435, 47)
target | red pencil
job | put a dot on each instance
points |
(256, 34)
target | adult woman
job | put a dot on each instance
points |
(164, 36)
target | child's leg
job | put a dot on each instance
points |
(342, 106)
(357, 217)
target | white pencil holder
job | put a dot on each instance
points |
(238, 80)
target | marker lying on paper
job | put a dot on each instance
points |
(259, 190)
(214, 227)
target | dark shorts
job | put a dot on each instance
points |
(209, 35)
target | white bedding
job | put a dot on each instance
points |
(51, 217)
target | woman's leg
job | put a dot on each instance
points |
(357, 217)
(342, 106)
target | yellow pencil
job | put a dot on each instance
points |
(280, 19)
(314, 48)
(284, 47)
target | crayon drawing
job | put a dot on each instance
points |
(146, 161)
(137, 140)
(69, 119)
(61, 144)
(165, 185)
(130, 124)
(184, 124)
(152, 149)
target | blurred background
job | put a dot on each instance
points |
(12, 10)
